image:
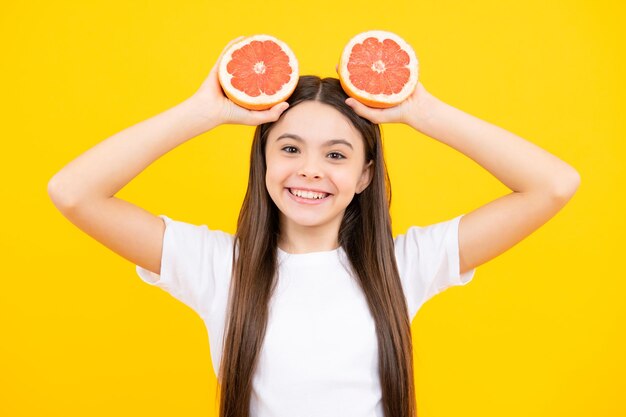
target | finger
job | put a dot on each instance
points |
(214, 69)
(373, 115)
(219, 59)
(212, 79)
(269, 115)
(337, 68)
(237, 39)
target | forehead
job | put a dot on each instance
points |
(315, 121)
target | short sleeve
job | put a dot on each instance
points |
(428, 261)
(195, 264)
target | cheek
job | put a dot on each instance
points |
(346, 180)
(276, 175)
(273, 185)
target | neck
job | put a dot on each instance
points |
(296, 238)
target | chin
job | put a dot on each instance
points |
(299, 218)
(305, 222)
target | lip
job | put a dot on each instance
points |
(306, 200)
(315, 190)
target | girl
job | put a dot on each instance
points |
(308, 306)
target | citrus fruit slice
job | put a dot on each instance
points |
(378, 68)
(258, 72)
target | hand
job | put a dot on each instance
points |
(411, 111)
(408, 112)
(218, 108)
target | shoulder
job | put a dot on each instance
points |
(428, 261)
(427, 237)
(200, 236)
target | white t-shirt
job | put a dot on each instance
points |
(320, 352)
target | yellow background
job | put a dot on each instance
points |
(540, 330)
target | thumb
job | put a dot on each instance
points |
(275, 112)
(269, 115)
(373, 115)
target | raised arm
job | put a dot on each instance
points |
(541, 183)
(84, 190)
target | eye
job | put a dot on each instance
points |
(336, 155)
(290, 149)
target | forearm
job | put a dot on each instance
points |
(517, 163)
(103, 170)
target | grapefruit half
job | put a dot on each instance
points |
(378, 68)
(258, 72)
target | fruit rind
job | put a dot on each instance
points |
(377, 100)
(263, 101)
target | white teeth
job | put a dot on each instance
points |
(308, 194)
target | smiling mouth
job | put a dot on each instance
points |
(311, 195)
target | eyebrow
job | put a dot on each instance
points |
(327, 143)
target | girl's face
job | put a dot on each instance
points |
(315, 165)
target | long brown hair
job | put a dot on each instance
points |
(364, 234)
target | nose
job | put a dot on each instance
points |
(310, 169)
